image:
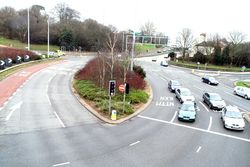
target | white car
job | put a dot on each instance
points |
(232, 118)
(184, 94)
(164, 63)
(242, 91)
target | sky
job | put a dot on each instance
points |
(168, 16)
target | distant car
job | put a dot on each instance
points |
(232, 118)
(187, 111)
(213, 100)
(164, 63)
(242, 91)
(154, 59)
(210, 80)
(184, 94)
(173, 84)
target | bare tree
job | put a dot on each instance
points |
(111, 44)
(236, 38)
(64, 13)
(185, 40)
(148, 28)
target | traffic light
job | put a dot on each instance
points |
(111, 87)
(126, 88)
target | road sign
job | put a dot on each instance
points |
(121, 88)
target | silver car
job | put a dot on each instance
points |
(242, 91)
(184, 94)
(232, 118)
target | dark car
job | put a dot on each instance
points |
(214, 101)
(187, 111)
(173, 84)
(210, 80)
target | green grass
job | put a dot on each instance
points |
(243, 83)
(143, 48)
(89, 91)
(20, 45)
(208, 67)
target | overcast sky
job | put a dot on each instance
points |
(168, 16)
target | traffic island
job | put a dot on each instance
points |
(109, 118)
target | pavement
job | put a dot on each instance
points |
(9, 85)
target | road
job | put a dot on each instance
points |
(44, 125)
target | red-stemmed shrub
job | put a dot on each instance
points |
(6, 52)
(93, 68)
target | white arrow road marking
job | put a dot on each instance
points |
(13, 109)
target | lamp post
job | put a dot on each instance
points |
(28, 28)
(47, 31)
(132, 51)
(48, 35)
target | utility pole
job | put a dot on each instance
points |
(28, 28)
(132, 51)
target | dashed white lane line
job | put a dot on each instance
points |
(61, 164)
(194, 128)
(204, 106)
(59, 119)
(210, 123)
(198, 150)
(172, 120)
(132, 144)
(48, 99)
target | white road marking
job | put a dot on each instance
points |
(163, 79)
(194, 128)
(198, 150)
(230, 94)
(132, 144)
(204, 106)
(59, 120)
(172, 120)
(210, 123)
(48, 99)
(61, 164)
(12, 110)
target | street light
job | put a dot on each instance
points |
(47, 31)
(28, 28)
(132, 51)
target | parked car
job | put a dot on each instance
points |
(242, 91)
(164, 63)
(210, 80)
(173, 84)
(184, 94)
(232, 118)
(187, 111)
(214, 100)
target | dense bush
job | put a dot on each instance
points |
(139, 70)
(89, 91)
(6, 52)
(93, 68)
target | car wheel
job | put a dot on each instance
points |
(209, 82)
(245, 97)
(210, 106)
(235, 92)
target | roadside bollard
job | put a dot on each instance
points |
(113, 115)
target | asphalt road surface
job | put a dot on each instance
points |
(44, 125)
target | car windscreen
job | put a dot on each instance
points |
(187, 107)
(212, 79)
(186, 93)
(233, 114)
(175, 83)
(215, 97)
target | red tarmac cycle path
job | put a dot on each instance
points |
(9, 85)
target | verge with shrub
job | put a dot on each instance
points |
(87, 85)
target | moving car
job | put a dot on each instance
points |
(213, 100)
(242, 91)
(210, 80)
(164, 63)
(232, 118)
(184, 94)
(173, 84)
(187, 111)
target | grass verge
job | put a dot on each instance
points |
(243, 83)
(98, 99)
(17, 44)
(208, 67)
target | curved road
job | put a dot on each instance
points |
(48, 127)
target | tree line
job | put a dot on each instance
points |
(66, 28)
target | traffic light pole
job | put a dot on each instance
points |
(109, 104)
(124, 97)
